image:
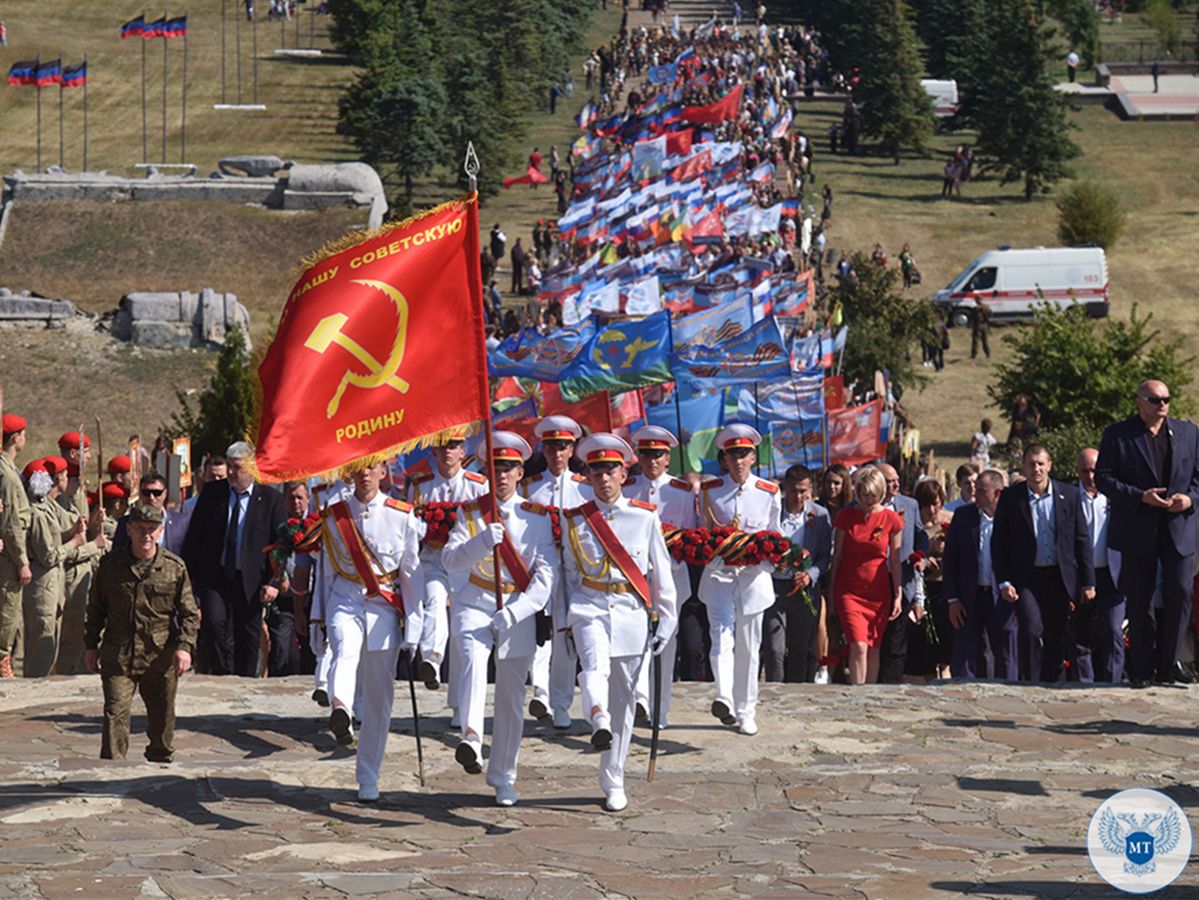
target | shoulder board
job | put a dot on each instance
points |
(475, 477)
(641, 504)
(420, 477)
(579, 478)
(398, 504)
(681, 484)
(714, 483)
(768, 486)
(529, 506)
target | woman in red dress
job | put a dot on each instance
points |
(865, 572)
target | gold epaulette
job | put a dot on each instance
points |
(475, 477)
(768, 486)
(401, 505)
(641, 504)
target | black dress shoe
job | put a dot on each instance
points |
(641, 716)
(321, 697)
(601, 739)
(429, 675)
(1141, 683)
(339, 724)
(721, 710)
(1182, 674)
(538, 710)
(468, 757)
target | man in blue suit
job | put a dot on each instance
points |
(1041, 551)
(789, 625)
(895, 640)
(975, 609)
(1149, 469)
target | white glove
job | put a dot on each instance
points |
(407, 647)
(503, 619)
(317, 641)
(494, 535)
(661, 639)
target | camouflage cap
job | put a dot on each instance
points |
(145, 512)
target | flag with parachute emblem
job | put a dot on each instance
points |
(379, 348)
(620, 357)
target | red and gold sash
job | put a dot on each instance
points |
(358, 555)
(616, 551)
(509, 555)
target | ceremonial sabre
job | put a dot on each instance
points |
(655, 674)
(420, 756)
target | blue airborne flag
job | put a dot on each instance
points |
(756, 355)
(701, 419)
(528, 354)
(621, 356)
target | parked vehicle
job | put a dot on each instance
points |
(1014, 282)
(944, 94)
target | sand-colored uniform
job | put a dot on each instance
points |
(15, 517)
(78, 566)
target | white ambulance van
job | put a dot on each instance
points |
(1014, 282)
(944, 94)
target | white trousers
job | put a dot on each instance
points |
(644, 693)
(474, 649)
(435, 635)
(736, 643)
(320, 675)
(372, 673)
(554, 671)
(607, 684)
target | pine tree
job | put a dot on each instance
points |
(1022, 122)
(896, 109)
(226, 405)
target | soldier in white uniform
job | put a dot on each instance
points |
(449, 482)
(361, 576)
(557, 486)
(323, 495)
(737, 597)
(528, 572)
(676, 502)
(618, 575)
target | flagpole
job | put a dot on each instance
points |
(183, 127)
(145, 124)
(237, 53)
(254, 53)
(224, 80)
(163, 37)
(37, 65)
(824, 437)
(470, 165)
(85, 77)
(62, 158)
(758, 429)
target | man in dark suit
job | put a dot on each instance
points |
(1149, 469)
(233, 521)
(1041, 552)
(975, 611)
(789, 625)
(894, 651)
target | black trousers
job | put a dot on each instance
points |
(281, 623)
(1043, 613)
(787, 631)
(893, 654)
(1154, 636)
(231, 627)
(1099, 633)
(694, 642)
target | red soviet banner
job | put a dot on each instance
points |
(853, 434)
(715, 113)
(379, 348)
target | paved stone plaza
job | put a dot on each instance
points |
(875, 792)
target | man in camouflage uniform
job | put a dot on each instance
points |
(142, 603)
(14, 523)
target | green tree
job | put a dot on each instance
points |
(1161, 17)
(942, 26)
(1022, 123)
(896, 109)
(1081, 22)
(226, 406)
(1088, 213)
(1083, 373)
(885, 325)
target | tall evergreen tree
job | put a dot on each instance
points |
(1022, 122)
(896, 109)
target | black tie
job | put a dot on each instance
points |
(231, 538)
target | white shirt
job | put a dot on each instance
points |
(1094, 510)
(565, 491)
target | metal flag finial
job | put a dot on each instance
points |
(471, 165)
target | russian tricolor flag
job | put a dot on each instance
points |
(23, 72)
(175, 28)
(75, 76)
(134, 27)
(155, 29)
(49, 73)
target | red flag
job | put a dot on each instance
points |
(678, 142)
(379, 348)
(692, 168)
(715, 113)
(834, 392)
(533, 176)
(593, 414)
(710, 226)
(853, 434)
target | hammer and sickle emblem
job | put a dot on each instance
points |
(328, 331)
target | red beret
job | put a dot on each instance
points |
(119, 464)
(13, 423)
(70, 440)
(34, 465)
(55, 464)
(114, 491)
(93, 497)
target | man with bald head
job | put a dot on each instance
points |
(1148, 467)
(1099, 654)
